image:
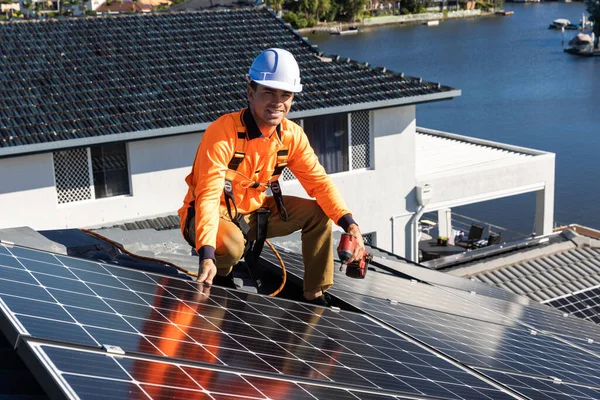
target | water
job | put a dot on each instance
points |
(518, 87)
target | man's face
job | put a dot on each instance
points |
(269, 106)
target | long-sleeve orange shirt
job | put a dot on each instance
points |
(216, 149)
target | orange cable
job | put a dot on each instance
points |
(283, 272)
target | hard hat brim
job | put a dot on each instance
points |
(281, 86)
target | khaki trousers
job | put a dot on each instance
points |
(304, 215)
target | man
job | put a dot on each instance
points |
(240, 156)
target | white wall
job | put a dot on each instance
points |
(158, 168)
(375, 196)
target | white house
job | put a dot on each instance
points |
(102, 127)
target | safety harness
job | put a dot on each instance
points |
(231, 173)
(254, 248)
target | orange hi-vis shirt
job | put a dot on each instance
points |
(216, 149)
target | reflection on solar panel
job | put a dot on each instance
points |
(543, 388)
(185, 330)
(442, 279)
(542, 317)
(96, 374)
(506, 345)
(385, 285)
(583, 304)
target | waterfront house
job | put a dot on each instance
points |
(101, 126)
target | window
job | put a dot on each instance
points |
(341, 141)
(328, 136)
(104, 167)
(109, 166)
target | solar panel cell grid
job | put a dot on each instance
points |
(95, 375)
(541, 317)
(221, 329)
(544, 388)
(479, 343)
(384, 285)
(585, 304)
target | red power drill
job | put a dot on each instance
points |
(355, 269)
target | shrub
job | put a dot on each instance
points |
(291, 18)
(311, 22)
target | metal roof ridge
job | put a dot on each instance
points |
(482, 142)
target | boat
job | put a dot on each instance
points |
(563, 23)
(559, 23)
(434, 22)
(352, 30)
(582, 45)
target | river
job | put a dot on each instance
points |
(518, 87)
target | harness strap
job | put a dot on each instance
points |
(278, 196)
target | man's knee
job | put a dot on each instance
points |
(228, 255)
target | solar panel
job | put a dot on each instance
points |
(510, 349)
(83, 303)
(385, 285)
(542, 317)
(444, 279)
(584, 304)
(544, 388)
(93, 374)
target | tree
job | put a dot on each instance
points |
(353, 7)
(275, 5)
(323, 7)
(593, 8)
(308, 7)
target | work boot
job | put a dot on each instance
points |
(323, 300)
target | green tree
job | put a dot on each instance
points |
(275, 5)
(309, 8)
(351, 8)
(323, 7)
(593, 8)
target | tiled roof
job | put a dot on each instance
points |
(541, 273)
(158, 223)
(92, 77)
(550, 276)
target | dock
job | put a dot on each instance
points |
(505, 13)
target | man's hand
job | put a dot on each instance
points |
(359, 250)
(206, 271)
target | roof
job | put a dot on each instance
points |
(87, 327)
(434, 148)
(128, 77)
(461, 170)
(570, 264)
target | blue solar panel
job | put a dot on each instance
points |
(584, 304)
(484, 333)
(89, 304)
(93, 374)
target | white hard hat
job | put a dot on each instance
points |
(277, 69)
